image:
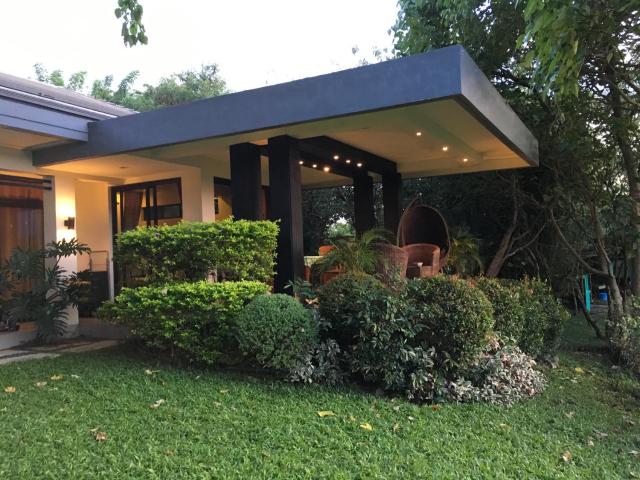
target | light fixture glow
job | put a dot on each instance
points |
(347, 161)
(301, 162)
(326, 169)
(336, 157)
(465, 159)
(359, 164)
(445, 148)
(315, 165)
(418, 134)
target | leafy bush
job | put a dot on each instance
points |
(625, 337)
(51, 289)
(320, 365)
(346, 300)
(194, 320)
(508, 312)
(452, 316)
(276, 331)
(544, 318)
(501, 374)
(235, 249)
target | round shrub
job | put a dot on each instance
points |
(276, 331)
(508, 312)
(451, 315)
(544, 316)
(344, 300)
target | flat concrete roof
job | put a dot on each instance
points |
(433, 113)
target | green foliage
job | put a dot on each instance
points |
(354, 255)
(34, 287)
(544, 318)
(276, 331)
(625, 338)
(453, 316)
(133, 31)
(194, 320)
(508, 311)
(235, 249)
(464, 258)
(322, 364)
(347, 298)
(500, 375)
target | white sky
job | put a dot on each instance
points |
(255, 42)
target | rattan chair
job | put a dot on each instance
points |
(425, 227)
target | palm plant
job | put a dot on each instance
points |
(464, 258)
(354, 255)
(34, 287)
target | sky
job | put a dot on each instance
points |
(254, 42)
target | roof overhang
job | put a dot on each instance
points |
(379, 108)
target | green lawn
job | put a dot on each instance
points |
(218, 425)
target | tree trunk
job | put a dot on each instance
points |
(587, 316)
(497, 262)
(620, 129)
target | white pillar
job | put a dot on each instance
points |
(59, 205)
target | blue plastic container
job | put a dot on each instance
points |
(603, 296)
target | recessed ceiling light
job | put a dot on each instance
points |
(348, 160)
(465, 159)
(336, 157)
(445, 148)
(301, 162)
(418, 134)
(359, 164)
(326, 169)
(315, 165)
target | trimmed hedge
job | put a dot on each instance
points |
(508, 309)
(452, 316)
(191, 319)
(544, 315)
(276, 331)
(189, 251)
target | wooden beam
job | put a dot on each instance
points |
(363, 203)
(286, 206)
(392, 200)
(246, 181)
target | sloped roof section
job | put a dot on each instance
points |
(58, 98)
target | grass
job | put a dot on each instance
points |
(220, 425)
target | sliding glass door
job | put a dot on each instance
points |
(146, 204)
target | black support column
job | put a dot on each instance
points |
(286, 205)
(363, 203)
(246, 181)
(392, 200)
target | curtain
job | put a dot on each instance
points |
(132, 207)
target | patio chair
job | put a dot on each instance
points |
(423, 260)
(425, 227)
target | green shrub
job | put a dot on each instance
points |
(625, 336)
(544, 318)
(453, 316)
(235, 249)
(508, 312)
(194, 320)
(276, 331)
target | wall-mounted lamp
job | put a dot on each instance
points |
(70, 223)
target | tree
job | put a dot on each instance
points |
(583, 163)
(172, 90)
(133, 31)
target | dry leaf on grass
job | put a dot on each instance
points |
(634, 453)
(41, 384)
(326, 413)
(100, 436)
(224, 391)
(366, 426)
(157, 403)
(626, 419)
(396, 427)
(9, 389)
(570, 414)
(567, 456)
(601, 434)
(150, 372)
(590, 443)
(55, 378)
(436, 407)
(578, 370)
